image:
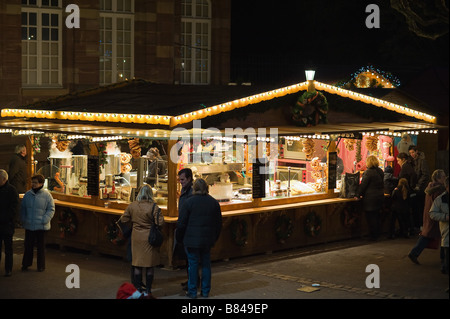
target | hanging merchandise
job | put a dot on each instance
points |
(308, 148)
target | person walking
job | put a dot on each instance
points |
(17, 171)
(407, 171)
(198, 227)
(36, 212)
(185, 178)
(439, 212)
(371, 190)
(9, 199)
(143, 213)
(430, 229)
(400, 208)
(423, 178)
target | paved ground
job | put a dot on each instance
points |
(338, 269)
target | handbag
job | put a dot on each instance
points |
(124, 228)
(433, 243)
(350, 186)
(155, 237)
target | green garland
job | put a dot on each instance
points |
(313, 224)
(114, 234)
(67, 222)
(311, 109)
(36, 144)
(283, 228)
(102, 159)
(239, 232)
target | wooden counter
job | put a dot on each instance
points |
(245, 231)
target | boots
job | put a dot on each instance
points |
(137, 281)
(149, 281)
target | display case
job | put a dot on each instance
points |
(119, 173)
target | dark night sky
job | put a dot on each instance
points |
(276, 40)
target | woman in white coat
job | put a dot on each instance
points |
(439, 212)
(36, 211)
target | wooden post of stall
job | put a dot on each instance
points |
(93, 150)
(172, 199)
(331, 148)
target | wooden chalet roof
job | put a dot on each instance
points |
(130, 108)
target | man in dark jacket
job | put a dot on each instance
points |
(18, 169)
(407, 172)
(185, 179)
(199, 225)
(9, 199)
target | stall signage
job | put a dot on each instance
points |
(332, 170)
(93, 169)
(259, 179)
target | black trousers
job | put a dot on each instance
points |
(32, 238)
(7, 240)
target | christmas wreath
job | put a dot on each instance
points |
(114, 233)
(350, 217)
(313, 224)
(239, 232)
(67, 222)
(283, 228)
(311, 109)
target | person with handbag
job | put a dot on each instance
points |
(143, 213)
(430, 230)
(198, 228)
(439, 212)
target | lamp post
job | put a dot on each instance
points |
(310, 78)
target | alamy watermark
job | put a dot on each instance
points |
(373, 19)
(373, 280)
(73, 280)
(73, 19)
(212, 146)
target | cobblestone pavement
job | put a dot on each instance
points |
(335, 270)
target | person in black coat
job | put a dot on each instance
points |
(9, 199)
(18, 169)
(185, 178)
(400, 208)
(371, 190)
(198, 228)
(407, 171)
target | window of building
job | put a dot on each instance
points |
(116, 41)
(196, 42)
(41, 43)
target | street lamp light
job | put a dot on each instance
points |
(310, 75)
(310, 78)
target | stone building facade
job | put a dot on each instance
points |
(163, 41)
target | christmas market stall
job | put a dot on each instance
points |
(283, 163)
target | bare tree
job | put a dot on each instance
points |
(427, 19)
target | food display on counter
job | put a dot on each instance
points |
(222, 192)
(300, 188)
